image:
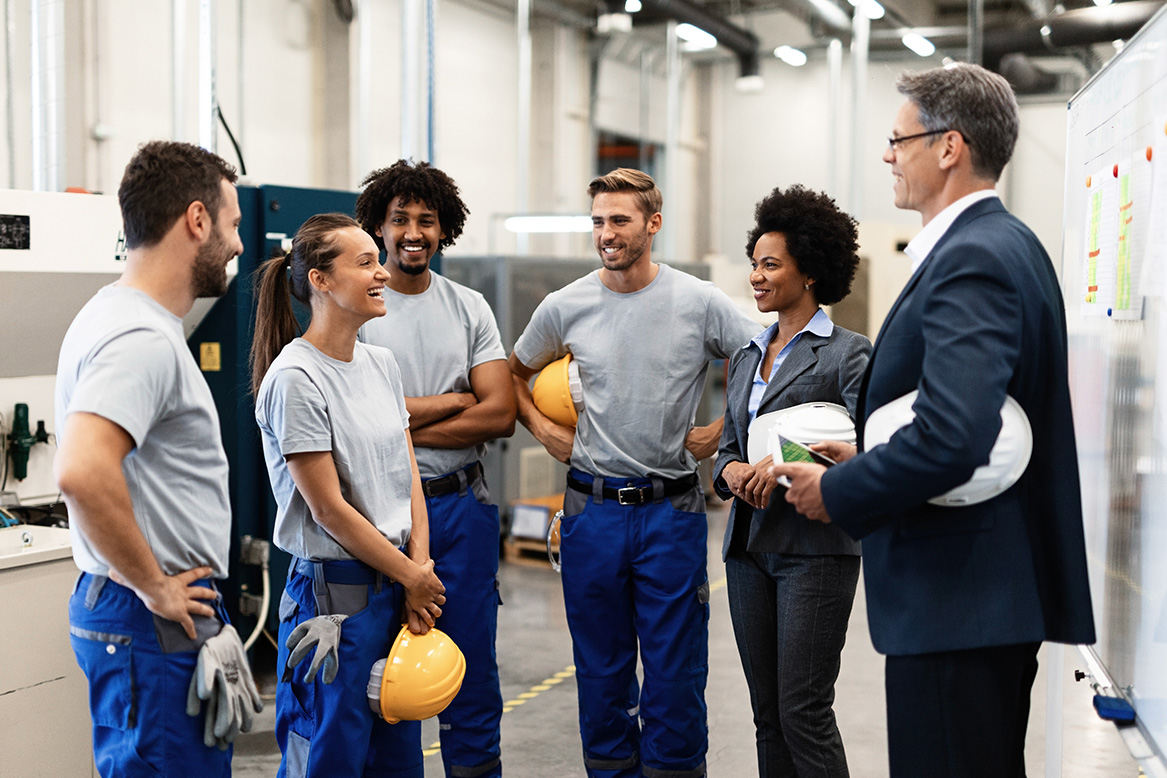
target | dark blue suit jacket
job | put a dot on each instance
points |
(982, 317)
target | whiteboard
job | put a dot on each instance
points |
(1114, 279)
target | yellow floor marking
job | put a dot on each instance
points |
(521, 699)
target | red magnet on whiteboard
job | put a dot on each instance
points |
(1148, 153)
(1116, 171)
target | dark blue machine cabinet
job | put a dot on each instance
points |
(269, 213)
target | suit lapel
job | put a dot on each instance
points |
(801, 358)
(747, 369)
(979, 208)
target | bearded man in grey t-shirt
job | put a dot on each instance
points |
(141, 466)
(633, 538)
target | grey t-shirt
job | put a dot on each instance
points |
(437, 337)
(311, 402)
(642, 360)
(124, 358)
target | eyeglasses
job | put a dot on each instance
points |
(893, 141)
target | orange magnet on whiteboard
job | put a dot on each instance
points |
(1116, 171)
(1087, 182)
(1148, 153)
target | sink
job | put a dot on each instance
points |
(26, 544)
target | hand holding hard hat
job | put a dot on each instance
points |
(558, 393)
(806, 424)
(798, 427)
(1007, 460)
(419, 678)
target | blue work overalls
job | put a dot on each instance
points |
(329, 729)
(139, 667)
(634, 576)
(464, 535)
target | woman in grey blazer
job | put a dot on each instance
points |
(791, 581)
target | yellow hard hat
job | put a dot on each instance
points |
(421, 676)
(557, 392)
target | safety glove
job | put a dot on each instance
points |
(321, 633)
(222, 679)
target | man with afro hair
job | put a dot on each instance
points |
(459, 396)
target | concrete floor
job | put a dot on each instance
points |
(540, 735)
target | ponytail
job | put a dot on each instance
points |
(280, 278)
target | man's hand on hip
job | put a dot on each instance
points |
(172, 597)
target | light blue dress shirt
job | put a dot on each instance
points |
(819, 324)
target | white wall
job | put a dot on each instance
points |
(780, 136)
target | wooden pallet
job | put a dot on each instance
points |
(527, 551)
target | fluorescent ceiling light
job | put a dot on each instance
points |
(919, 44)
(632, 6)
(790, 55)
(870, 8)
(697, 38)
(609, 23)
(1102, 2)
(548, 223)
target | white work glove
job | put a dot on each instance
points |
(321, 633)
(223, 680)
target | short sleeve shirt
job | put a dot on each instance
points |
(437, 337)
(310, 402)
(642, 360)
(125, 359)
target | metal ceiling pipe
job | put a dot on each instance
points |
(672, 187)
(860, 41)
(525, 55)
(208, 93)
(1080, 27)
(976, 31)
(834, 112)
(9, 66)
(48, 95)
(740, 41)
(178, 69)
(828, 13)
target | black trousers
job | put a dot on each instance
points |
(960, 714)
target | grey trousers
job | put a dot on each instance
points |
(790, 617)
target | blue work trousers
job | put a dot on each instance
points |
(139, 668)
(329, 729)
(634, 576)
(464, 537)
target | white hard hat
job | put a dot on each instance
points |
(1007, 460)
(807, 423)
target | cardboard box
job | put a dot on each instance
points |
(529, 518)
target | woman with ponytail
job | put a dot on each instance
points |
(350, 508)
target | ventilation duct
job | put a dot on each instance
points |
(1081, 27)
(741, 42)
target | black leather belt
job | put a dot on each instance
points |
(636, 495)
(448, 484)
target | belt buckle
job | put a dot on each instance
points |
(630, 495)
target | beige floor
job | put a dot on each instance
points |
(540, 736)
